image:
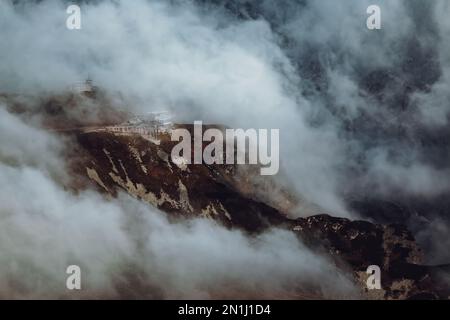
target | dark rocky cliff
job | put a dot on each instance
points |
(146, 170)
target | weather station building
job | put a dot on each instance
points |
(85, 87)
(149, 125)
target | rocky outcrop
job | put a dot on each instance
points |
(359, 244)
(146, 171)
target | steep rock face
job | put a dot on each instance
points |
(145, 170)
(360, 244)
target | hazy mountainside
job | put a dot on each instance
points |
(364, 125)
(232, 196)
(146, 171)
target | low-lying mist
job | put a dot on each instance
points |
(363, 117)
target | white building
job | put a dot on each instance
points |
(84, 87)
(161, 120)
(149, 125)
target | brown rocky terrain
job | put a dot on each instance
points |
(146, 171)
(232, 195)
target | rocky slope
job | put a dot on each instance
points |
(146, 170)
(235, 197)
